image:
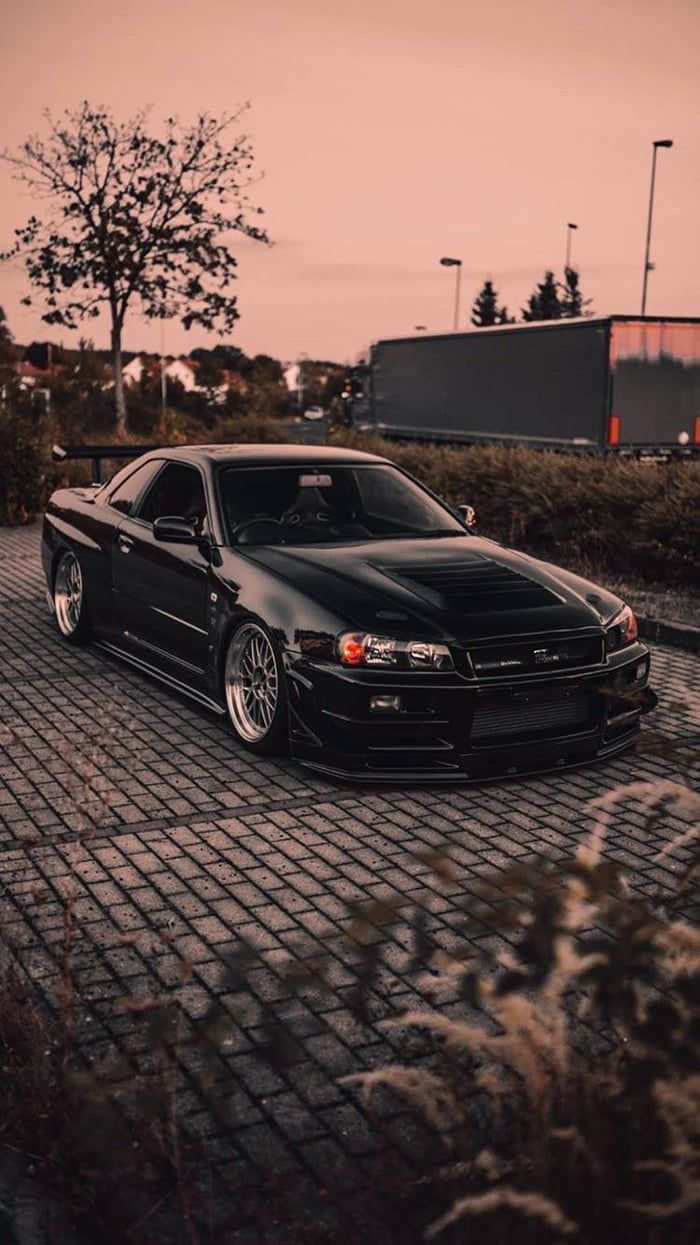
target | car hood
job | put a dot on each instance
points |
(453, 587)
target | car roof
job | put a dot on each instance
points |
(246, 455)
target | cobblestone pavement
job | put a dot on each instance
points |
(172, 843)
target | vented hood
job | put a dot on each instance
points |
(462, 588)
(474, 584)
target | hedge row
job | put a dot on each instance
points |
(634, 519)
(28, 474)
(630, 518)
(25, 465)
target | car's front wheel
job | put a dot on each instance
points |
(69, 600)
(255, 690)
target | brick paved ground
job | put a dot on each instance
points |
(172, 842)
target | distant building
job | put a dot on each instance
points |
(182, 370)
(29, 375)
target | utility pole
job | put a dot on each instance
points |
(569, 230)
(449, 262)
(648, 267)
(163, 377)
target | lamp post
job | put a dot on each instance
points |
(449, 262)
(569, 230)
(659, 142)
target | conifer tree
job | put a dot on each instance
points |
(486, 310)
(572, 302)
(544, 303)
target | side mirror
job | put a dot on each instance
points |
(468, 516)
(174, 529)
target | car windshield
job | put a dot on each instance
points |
(326, 503)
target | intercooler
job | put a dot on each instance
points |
(520, 719)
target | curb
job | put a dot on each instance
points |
(677, 635)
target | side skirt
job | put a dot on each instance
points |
(168, 679)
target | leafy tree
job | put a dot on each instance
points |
(7, 347)
(210, 372)
(132, 218)
(486, 310)
(572, 302)
(233, 358)
(544, 303)
(268, 391)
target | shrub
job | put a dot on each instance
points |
(627, 517)
(25, 471)
(247, 429)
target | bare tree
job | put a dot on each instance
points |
(132, 218)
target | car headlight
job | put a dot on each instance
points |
(622, 630)
(357, 648)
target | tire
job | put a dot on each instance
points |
(70, 609)
(255, 690)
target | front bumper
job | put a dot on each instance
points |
(451, 728)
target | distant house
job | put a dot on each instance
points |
(292, 376)
(142, 365)
(182, 370)
(133, 372)
(29, 375)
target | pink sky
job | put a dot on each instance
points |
(389, 133)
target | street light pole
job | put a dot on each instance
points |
(449, 262)
(569, 230)
(659, 142)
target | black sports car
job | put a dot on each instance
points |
(328, 602)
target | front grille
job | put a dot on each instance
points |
(523, 719)
(476, 585)
(536, 656)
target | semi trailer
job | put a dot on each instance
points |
(618, 384)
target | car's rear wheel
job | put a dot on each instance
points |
(69, 601)
(255, 690)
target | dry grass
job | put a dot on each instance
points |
(601, 1144)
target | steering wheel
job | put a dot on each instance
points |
(310, 521)
(242, 527)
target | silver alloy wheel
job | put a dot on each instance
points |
(251, 683)
(68, 594)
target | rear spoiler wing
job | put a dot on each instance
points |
(98, 453)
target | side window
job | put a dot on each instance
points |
(178, 490)
(128, 492)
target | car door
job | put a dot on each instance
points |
(118, 498)
(161, 589)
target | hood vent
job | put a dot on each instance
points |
(479, 585)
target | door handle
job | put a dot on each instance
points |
(125, 543)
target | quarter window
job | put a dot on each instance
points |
(128, 492)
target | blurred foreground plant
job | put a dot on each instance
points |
(562, 1078)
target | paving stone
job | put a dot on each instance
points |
(172, 845)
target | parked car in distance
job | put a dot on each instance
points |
(313, 413)
(332, 605)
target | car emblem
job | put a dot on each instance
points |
(545, 656)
